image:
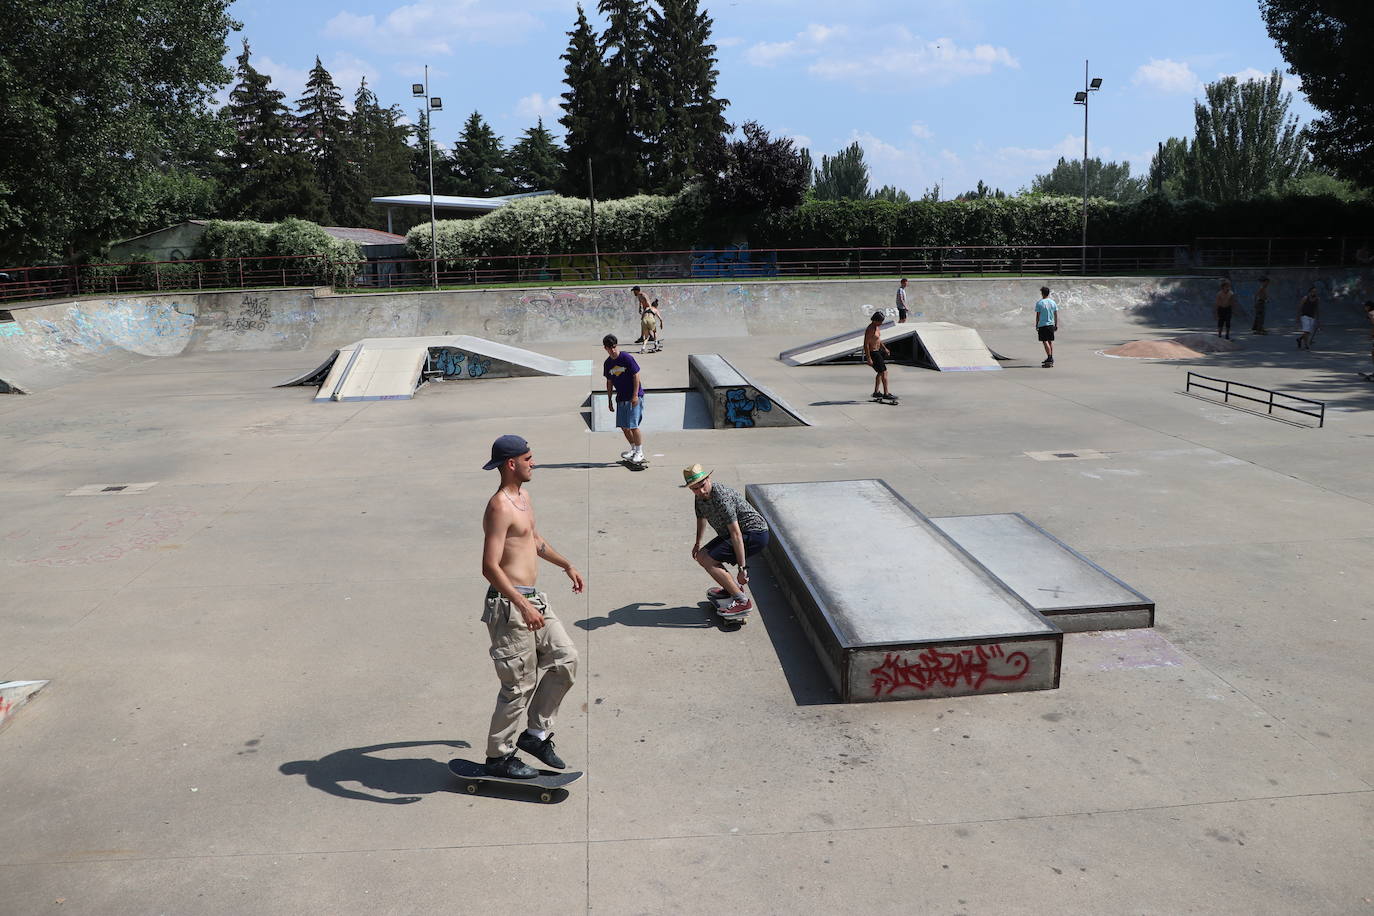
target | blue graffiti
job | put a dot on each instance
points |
(449, 362)
(733, 261)
(478, 367)
(740, 409)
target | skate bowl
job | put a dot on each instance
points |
(51, 342)
(736, 402)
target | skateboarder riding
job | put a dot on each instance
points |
(740, 532)
(535, 660)
(876, 354)
(624, 396)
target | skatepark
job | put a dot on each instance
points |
(256, 609)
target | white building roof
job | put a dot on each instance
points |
(445, 202)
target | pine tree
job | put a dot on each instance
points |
(843, 176)
(631, 113)
(380, 143)
(328, 144)
(266, 178)
(534, 161)
(420, 156)
(478, 163)
(584, 104)
(681, 71)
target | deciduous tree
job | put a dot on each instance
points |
(1246, 141)
(756, 173)
(843, 176)
(1107, 180)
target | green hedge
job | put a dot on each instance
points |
(305, 246)
(559, 225)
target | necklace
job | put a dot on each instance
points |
(524, 508)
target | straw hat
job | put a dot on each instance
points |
(695, 475)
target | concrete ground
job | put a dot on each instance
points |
(260, 665)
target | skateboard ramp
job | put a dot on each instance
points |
(14, 694)
(736, 402)
(1066, 587)
(935, 344)
(392, 368)
(933, 624)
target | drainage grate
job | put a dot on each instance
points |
(110, 489)
(1082, 454)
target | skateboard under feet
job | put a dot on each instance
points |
(890, 399)
(474, 774)
(634, 465)
(729, 620)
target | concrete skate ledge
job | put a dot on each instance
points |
(737, 402)
(934, 624)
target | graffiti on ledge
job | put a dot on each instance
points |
(973, 667)
(740, 408)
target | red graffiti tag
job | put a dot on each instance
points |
(946, 669)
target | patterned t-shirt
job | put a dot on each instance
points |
(726, 505)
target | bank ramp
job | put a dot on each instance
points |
(393, 368)
(936, 344)
(734, 401)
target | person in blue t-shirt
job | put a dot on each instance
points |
(625, 396)
(1046, 323)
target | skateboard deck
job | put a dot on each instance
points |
(634, 465)
(474, 774)
(890, 401)
(737, 620)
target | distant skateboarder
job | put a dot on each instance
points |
(901, 302)
(741, 532)
(624, 396)
(1261, 303)
(535, 660)
(876, 355)
(1225, 307)
(1307, 318)
(650, 322)
(642, 304)
(1046, 324)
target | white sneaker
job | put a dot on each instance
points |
(627, 454)
(637, 456)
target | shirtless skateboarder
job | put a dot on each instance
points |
(875, 354)
(535, 660)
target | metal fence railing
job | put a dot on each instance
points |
(1195, 380)
(730, 262)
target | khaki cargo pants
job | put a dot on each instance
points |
(536, 668)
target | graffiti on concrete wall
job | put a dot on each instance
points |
(92, 540)
(572, 308)
(11, 329)
(582, 267)
(740, 408)
(971, 667)
(733, 261)
(455, 364)
(254, 315)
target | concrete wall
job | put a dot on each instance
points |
(51, 342)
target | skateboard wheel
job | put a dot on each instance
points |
(546, 797)
(472, 788)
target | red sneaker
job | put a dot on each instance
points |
(738, 608)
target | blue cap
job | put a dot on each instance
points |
(506, 447)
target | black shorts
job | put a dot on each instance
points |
(722, 551)
(879, 364)
(1045, 332)
(902, 313)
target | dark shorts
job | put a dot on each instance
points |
(902, 313)
(879, 364)
(1045, 332)
(722, 551)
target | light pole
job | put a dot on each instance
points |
(432, 104)
(591, 198)
(1081, 98)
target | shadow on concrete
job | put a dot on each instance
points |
(650, 614)
(805, 676)
(409, 778)
(577, 465)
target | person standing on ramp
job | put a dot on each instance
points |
(901, 302)
(876, 354)
(535, 660)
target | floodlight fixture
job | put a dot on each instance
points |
(1080, 98)
(436, 103)
(1096, 83)
(417, 89)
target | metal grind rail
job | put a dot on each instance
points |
(1227, 393)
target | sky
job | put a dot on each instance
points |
(936, 91)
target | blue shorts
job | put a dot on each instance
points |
(627, 415)
(722, 551)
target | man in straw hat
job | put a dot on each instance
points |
(535, 660)
(740, 530)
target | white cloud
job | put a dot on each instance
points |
(1166, 76)
(729, 41)
(885, 56)
(919, 129)
(432, 26)
(1249, 73)
(1070, 147)
(536, 105)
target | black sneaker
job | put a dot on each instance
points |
(541, 749)
(639, 340)
(509, 767)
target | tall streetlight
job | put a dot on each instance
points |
(432, 104)
(1081, 98)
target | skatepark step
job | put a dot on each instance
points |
(665, 409)
(1066, 587)
(736, 402)
(894, 607)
